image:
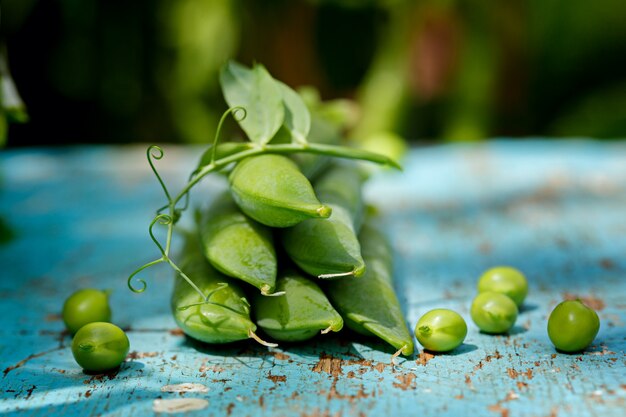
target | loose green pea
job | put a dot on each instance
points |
(493, 312)
(441, 330)
(272, 190)
(100, 346)
(370, 306)
(85, 306)
(330, 247)
(505, 280)
(237, 245)
(301, 313)
(572, 326)
(225, 317)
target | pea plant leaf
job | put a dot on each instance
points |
(297, 116)
(259, 94)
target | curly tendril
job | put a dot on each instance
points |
(164, 219)
(155, 152)
(143, 283)
(232, 111)
(207, 300)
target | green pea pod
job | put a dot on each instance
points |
(371, 307)
(225, 317)
(272, 190)
(312, 165)
(301, 313)
(329, 248)
(237, 245)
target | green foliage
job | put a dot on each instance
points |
(241, 87)
(257, 92)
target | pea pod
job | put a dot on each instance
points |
(301, 313)
(313, 165)
(225, 317)
(237, 245)
(272, 190)
(371, 307)
(330, 247)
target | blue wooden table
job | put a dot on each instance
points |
(556, 210)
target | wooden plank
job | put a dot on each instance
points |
(553, 209)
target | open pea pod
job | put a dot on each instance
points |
(272, 190)
(237, 245)
(301, 313)
(370, 306)
(225, 317)
(330, 247)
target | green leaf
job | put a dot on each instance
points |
(297, 116)
(259, 94)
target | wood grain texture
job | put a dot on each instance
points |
(556, 210)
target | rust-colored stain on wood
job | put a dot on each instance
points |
(280, 356)
(53, 317)
(319, 413)
(177, 332)
(590, 300)
(138, 355)
(497, 408)
(328, 364)
(334, 394)
(607, 264)
(512, 373)
(405, 381)
(424, 358)
(276, 378)
(213, 368)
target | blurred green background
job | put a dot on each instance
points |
(119, 71)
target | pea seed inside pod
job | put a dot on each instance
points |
(272, 190)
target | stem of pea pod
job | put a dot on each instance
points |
(316, 148)
(255, 149)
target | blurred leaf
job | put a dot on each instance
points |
(342, 113)
(10, 100)
(3, 128)
(258, 93)
(384, 92)
(297, 116)
(601, 114)
(6, 233)
(198, 37)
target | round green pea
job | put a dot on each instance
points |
(493, 312)
(506, 280)
(100, 346)
(85, 306)
(572, 326)
(441, 330)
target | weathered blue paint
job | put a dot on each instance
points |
(555, 209)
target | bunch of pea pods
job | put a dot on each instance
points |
(282, 251)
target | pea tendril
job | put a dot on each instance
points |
(169, 219)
